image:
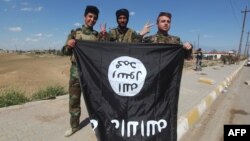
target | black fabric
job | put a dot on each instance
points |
(122, 12)
(130, 117)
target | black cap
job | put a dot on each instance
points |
(122, 12)
(91, 9)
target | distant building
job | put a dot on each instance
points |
(2, 51)
(214, 55)
(218, 55)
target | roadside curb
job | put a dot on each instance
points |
(190, 118)
(32, 103)
(206, 80)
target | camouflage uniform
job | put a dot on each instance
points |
(124, 35)
(83, 33)
(162, 38)
(166, 39)
(198, 61)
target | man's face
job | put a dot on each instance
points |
(164, 23)
(90, 19)
(122, 21)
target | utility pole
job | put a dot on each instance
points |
(194, 45)
(198, 41)
(248, 50)
(243, 26)
(245, 51)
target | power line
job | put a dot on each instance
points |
(247, 2)
(233, 11)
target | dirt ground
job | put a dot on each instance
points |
(29, 73)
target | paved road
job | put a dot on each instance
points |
(47, 120)
(232, 107)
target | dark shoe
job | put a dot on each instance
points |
(70, 132)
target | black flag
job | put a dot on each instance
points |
(131, 90)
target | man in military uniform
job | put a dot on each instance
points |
(85, 33)
(198, 59)
(162, 36)
(122, 33)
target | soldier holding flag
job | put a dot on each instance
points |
(122, 33)
(85, 33)
(162, 36)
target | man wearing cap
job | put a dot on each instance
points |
(162, 36)
(85, 33)
(122, 33)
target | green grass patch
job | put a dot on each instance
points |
(204, 65)
(12, 97)
(15, 97)
(48, 93)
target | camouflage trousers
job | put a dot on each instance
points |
(198, 65)
(74, 97)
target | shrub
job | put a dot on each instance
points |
(12, 97)
(49, 93)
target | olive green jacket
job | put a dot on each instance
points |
(166, 39)
(83, 33)
(126, 35)
(162, 38)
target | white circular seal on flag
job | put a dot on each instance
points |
(126, 75)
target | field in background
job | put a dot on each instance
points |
(29, 73)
